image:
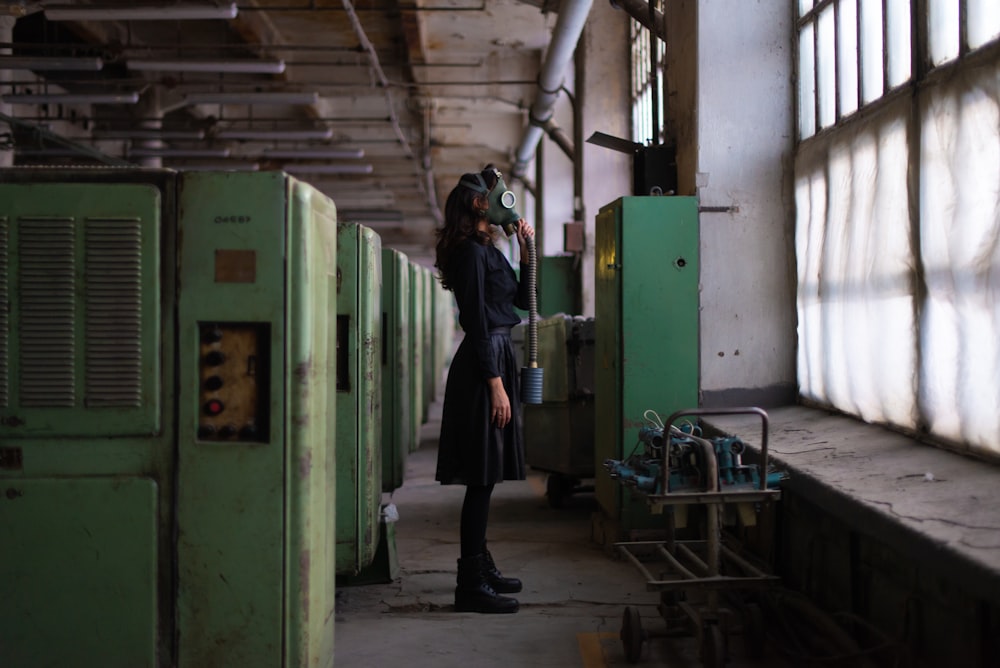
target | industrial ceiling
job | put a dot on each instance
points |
(382, 104)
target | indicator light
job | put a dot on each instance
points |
(213, 383)
(214, 407)
(214, 358)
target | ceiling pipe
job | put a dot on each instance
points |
(565, 35)
(646, 14)
(559, 136)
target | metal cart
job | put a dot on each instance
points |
(707, 568)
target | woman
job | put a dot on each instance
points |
(481, 442)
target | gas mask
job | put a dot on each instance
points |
(501, 200)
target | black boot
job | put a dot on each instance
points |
(474, 594)
(500, 584)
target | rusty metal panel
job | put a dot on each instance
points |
(231, 491)
(310, 464)
(359, 456)
(396, 431)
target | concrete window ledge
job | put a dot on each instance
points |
(938, 509)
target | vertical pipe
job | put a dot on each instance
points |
(579, 87)
(7, 36)
(151, 112)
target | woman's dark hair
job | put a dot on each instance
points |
(461, 219)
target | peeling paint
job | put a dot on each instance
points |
(304, 583)
(305, 465)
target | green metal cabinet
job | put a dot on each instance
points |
(444, 332)
(427, 342)
(558, 284)
(166, 419)
(359, 396)
(397, 430)
(646, 298)
(256, 479)
(417, 359)
(559, 432)
(86, 438)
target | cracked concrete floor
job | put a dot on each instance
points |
(574, 593)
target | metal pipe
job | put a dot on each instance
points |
(561, 139)
(425, 177)
(565, 35)
(673, 561)
(643, 12)
(6, 76)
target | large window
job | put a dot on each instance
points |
(647, 88)
(898, 214)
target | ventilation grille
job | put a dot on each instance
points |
(4, 314)
(113, 312)
(46, 328)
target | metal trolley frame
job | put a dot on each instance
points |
(696, 565)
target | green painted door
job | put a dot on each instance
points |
(647, 299)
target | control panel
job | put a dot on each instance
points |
(233, 375)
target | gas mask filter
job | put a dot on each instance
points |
(501, 200)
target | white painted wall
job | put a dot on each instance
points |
(607, 174)
(729, 75)
(744, 140)
(558, 176)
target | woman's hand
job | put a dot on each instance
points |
(523, 232)
(499, 403)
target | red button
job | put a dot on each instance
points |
(214, 407)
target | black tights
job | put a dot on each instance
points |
(475, 513)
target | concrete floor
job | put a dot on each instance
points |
(572, 605)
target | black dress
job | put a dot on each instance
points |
(472, 450)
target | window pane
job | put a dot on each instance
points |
(984, 21)
(825, 70)
(871, 50)
(807, 83)
(847, 56)
(805, 6)
(898, 32)
(942, 23)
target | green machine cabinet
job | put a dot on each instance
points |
(426, 288)
(86, 434)
(559, 432)
(256, 471)
(397, 428)
(359, 396)
(167, 416)
(417, 358)
(646, 298)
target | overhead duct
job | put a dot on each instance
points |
(565, 35)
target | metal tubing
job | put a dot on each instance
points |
(678, 566)
(635, 562)
(642, 11)
(565, 35)
(692, 557)
(741, 562)
(725, 411)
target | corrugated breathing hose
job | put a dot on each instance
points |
(532, 375)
